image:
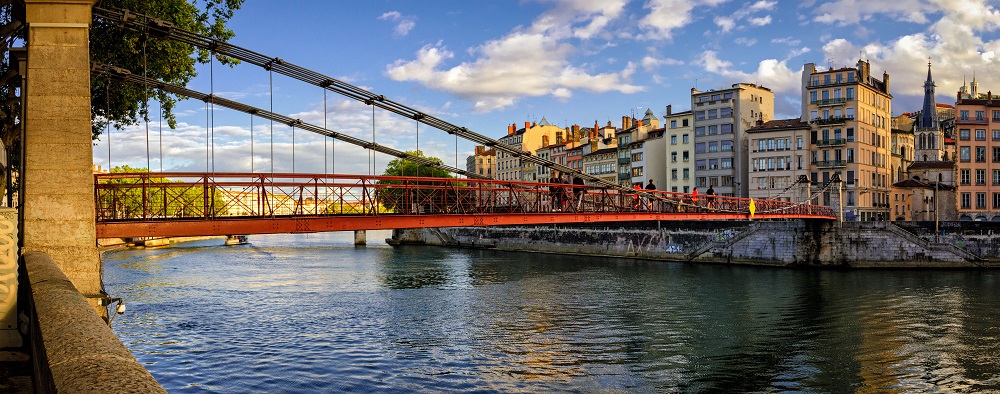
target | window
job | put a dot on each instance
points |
(996, 200)
(687, 175)
(699, 115)
(963, 114)
(673, 140)
(699, 147)
(850, 91)
(637, 171)
(980, 135)
(698, 132)
(813, 115)
(673, 174)
(726, 163)
(713, 129)
(673, 124)
(850, 155)
(727, 95)
(725, 112)
(770, 144)
(980, 115)
(799, 143)
(996, 177)
(980, 177)
(673, 157)
(713, 164)
(726, 128)
(964, 153)
(981, 200)
(996, 116)
(761, 145)
(713, 113)
(716, 97)
(812, 96)
(684, 138)
(685, 156)
(713, 146)
(684, 123)
(727, 146)
(966, 200)
(996, 134)
(703, 99)
(966, 174)
(850, 78)
(700, 182)
(963, 134)
(850, 134)
(980, 154)
(699, 165)
(850, 178)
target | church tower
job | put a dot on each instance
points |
(929, 138)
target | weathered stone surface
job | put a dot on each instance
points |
(82, 353)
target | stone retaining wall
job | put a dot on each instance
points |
(778, 243)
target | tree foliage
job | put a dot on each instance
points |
(399, 195)
(123, 104)
(163, 197)
(401, 167)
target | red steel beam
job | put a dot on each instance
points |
(314, 224)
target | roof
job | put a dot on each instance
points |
(915, 183)
(920, 165)
(602, 151)
(779, 125)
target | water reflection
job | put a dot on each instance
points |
(296, 313)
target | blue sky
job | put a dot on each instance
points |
(486, 64)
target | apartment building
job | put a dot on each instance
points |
(721, 119)
(482, 162)
(528, 139)
(849, 112)
(978, 163)
(778, 158)
(679, 140)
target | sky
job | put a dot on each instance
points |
(487, 64)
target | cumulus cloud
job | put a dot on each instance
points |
(790, 41)
(731, 22)
(650, 63)
(529, 61)
(665, 16)
(771, 73)
(745, 41)
(845, 12)
(954, 43)
(403, 23)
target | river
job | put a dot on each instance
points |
(313, 313)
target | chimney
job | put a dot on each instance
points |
(624, 122)
(480, 149)
(527, 125)
(545, 140)
(576, 132)
(885, 80)
(760, 122)
(669, 109)
(510, 129)
(638, 123)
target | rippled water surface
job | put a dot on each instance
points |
(313, 313)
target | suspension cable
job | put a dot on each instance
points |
(211, 79)
(145, 103)
(125, 75)
(160, 105)
(251, 143)
(324, 126)
(371, 159)
(270, 83)
(293, 149)
(107, 117)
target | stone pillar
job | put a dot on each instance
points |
(9, 336)
(360, 237)
(58, 210)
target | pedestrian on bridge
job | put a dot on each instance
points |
(578, 190)
(710, 196)
(694, 196)
(650, 186)
(556, 192)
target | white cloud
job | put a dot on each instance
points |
(650, 63)
(732, 22)
(771, 73)
(790, 41)
(665, 16)
(529, 61)
(745, 41)
(845, 12)
(762, 21)
(404, 23)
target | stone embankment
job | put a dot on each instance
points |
(778, 243)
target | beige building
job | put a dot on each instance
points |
(778, 154)
(529, 139)
(602, 163)
(483, 162)
(902, 146)
(928, 194)
(721, 119)
(679, 140)
(850, 112)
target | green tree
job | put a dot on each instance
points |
(123, 198)
(401, 195)
(116, 103)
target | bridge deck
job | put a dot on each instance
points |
(188, 204)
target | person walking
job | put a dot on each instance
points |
(694, 196)
(578, 190)
(710, 196)
(556, 192)
(650, 186)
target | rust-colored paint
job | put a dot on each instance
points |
(313, 224)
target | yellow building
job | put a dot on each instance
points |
(850, 115)
(529, 139)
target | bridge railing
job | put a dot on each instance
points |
(160, 196)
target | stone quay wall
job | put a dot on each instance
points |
(769, 243)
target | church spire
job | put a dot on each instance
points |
(928, 114)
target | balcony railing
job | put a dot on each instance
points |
(833, 142)
(832, 121)
(824, 102)
(624, 160)
(830, 163)
(972, 121)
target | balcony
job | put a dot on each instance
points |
(831, 121)
(971, 121)
(624, 160)
(826, 102)
(833, 142)
(830, 164)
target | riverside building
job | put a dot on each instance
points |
(778, 153)
(678, 133)
(978, 123)
(849, 113)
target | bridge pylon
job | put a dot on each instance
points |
(58, 202)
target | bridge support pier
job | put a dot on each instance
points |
(360, 237)
(58, 189)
